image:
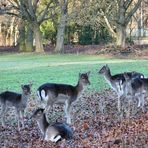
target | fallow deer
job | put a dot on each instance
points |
(116, 81)
(53, 93)
(54, 132)
(136, 88)
(17, 100)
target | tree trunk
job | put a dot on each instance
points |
(121, 36)
(38, 38)
(2, 37)
(16, 34)
(11, 32)
(29, 39)
(121, 26)
(3, 32)
(60, 35)
(21, 40)
(61, 29)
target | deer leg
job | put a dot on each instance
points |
(22, 118)
(139, 101)
(65, 108)
(3, 114)
(49, 106)
(129, 105)
(119, 104)
(67, 111)
(50, 102)
(18, 118)
(142, 102)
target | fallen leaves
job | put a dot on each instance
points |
(96, 124)
(85, 126)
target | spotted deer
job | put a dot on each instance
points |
(17, 100)
(54, 93)
(116, 82)
(54, 132)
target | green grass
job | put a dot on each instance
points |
(17, 69)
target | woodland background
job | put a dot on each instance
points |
(37, 25)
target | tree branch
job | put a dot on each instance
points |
(41, 18)
(24, 12)
(130, 14)
(35, 3)
(127, 3)
(31, 11)
(11, 13)
(4, 10)
(50, 17)
(108, 24)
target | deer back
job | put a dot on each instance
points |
(55, 89)
(10, 97)
(64, 130)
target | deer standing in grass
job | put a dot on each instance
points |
(53, 132)
(117, 81)
(66, 94)
(17, 100)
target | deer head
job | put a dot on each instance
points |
(104, 70)
(37, 113)
(84, 78)
(26, 89)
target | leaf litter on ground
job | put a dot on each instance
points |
(96, 124)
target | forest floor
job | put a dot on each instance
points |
(96, 124)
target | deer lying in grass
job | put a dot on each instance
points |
(136, 88)
(63, 93)
(54, 132)
(116, 81)
(19, 101)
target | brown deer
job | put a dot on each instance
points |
(53, 132)
(117, 81)
(17, 100)
(66, 94)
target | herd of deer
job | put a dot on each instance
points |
(129, 85)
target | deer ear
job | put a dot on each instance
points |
(125, 75)
(30, 83)
(79, 74)
(22, 86)
(133, 72)
(88, 73)
(107, 66)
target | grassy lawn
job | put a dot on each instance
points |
(17, 69)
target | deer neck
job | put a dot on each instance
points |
(43, 124)
(79, 88)
(25, 98)
(108, 77)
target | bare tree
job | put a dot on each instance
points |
(30, 12)
(8, 26)
(125, 13)
(114, 15)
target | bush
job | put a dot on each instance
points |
(86, 35)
